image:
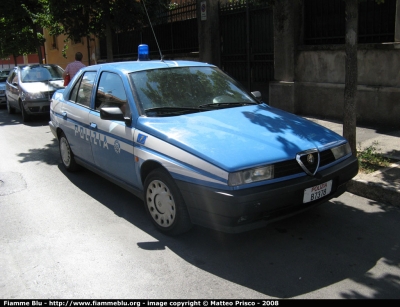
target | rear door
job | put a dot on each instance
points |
(112, 144)
(75, 117)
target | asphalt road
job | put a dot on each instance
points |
(78, 236)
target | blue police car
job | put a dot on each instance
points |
(196, 146)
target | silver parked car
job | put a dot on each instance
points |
(3, 77)
(29, 88)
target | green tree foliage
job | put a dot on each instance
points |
(82, 18)
(22, 21)
(20, 27)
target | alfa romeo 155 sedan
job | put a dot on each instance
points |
(195, 146)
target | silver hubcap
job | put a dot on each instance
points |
(160, 203)
(65, 152)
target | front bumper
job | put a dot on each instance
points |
(243, 210)
(37, 107)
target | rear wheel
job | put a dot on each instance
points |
(165, 204)
(67, 156)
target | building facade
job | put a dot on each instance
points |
(60, 51)
(310, 78)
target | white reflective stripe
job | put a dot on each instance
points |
(181, 156)
(177, 168)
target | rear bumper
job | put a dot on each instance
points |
(243, 210)
(53, 129)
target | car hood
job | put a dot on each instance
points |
(44, 86)
(238, 138)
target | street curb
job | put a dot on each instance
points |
(369, 186)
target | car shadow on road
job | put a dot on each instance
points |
(290, 258)
(16, 119)
(49, 154)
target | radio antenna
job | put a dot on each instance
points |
(159, 50)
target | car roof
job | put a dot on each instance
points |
(132, 66)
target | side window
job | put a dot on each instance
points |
(111, 93)
(11, 77)
(82, 89)
(15, 77)
(74, 93)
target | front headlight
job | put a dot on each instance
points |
(32, 96)
(341, 151)
(251, 175)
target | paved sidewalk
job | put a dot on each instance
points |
(382, 185)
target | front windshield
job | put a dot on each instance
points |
(38, 73)
(187, 87)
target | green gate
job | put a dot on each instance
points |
(247, 43)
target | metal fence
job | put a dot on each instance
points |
(324, 22)
(176, 31)
(247, 42)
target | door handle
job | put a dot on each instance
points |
(93, 125)
(64, 114)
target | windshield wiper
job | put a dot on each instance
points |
(225, 105)
(167, 111)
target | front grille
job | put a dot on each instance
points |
(326, 157)
(49, 94)
(286, 168)
(292, 167)
(46, 109)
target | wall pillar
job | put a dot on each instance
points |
(287, 25)
(208, 32)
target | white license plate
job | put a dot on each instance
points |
(317, 191)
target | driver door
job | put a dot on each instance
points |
(112, 144)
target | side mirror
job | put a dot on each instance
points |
(257, 95)
(114, 113)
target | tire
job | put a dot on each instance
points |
(10, 109)
(25, 115)
(164, 203)
(66, 154)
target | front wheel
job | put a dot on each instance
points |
(10, 109)
(165, 204)
(25, 115)
(67, 156)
